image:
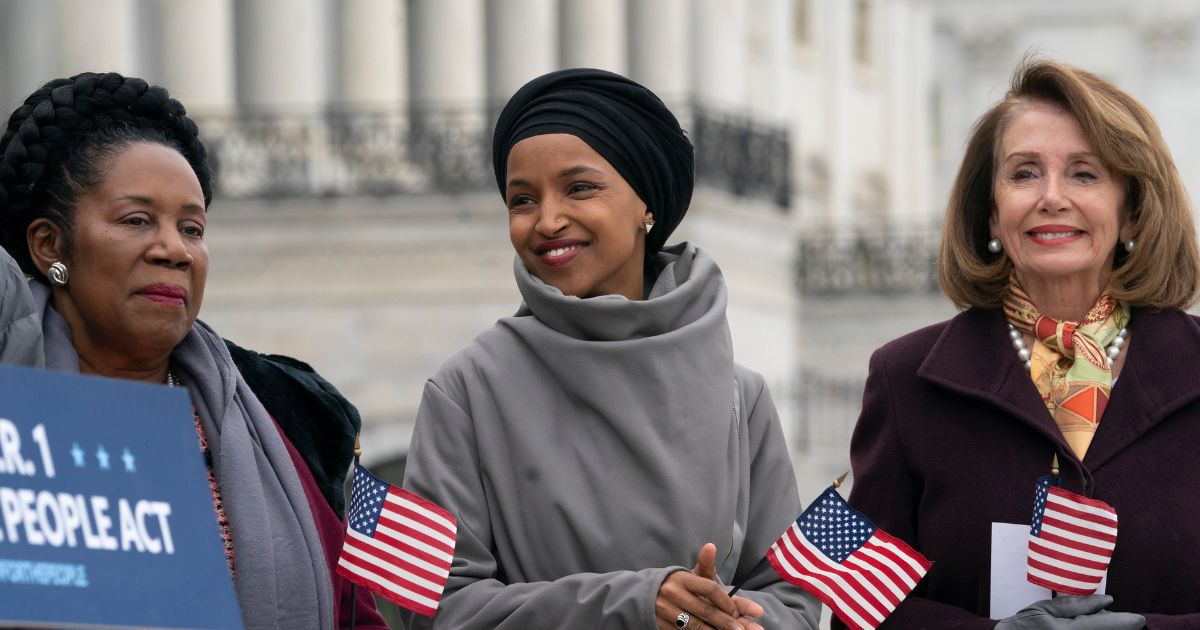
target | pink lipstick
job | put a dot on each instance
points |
(166, 294)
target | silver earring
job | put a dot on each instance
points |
(1129, 244)
(995, 246)
(57, 274)
(649, 225)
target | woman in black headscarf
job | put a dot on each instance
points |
(602, 440)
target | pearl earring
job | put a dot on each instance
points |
(1129, 244)
(57, 274)
(995, 246)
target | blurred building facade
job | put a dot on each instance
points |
(357, 225)
(876, 281)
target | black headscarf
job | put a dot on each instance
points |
(622, 121)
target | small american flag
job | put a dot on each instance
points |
(1071, 541)
(860, 571)
(397, 544)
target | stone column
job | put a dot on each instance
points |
(447, 92)
(194, 52)
(282, 55)
(1160, 77)
(522, 43)
(660, 48)
(446, 44)
(94, 35)
(770, 46)
(283, 66)
(905, 63)
(593, 34)
(839, 78)
(719, 58)
(372, 60)
(26, 62)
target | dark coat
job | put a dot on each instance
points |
(318, 426)
(953, 436)
(313, 414)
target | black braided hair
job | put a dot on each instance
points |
(61, 140)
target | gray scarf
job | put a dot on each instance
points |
(658, 376)
(282, 579)
(614, 318)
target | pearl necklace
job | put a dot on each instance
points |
(171, 380)
(1114, 347)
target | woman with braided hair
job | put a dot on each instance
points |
(104, 188)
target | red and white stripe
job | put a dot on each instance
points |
(1072, 553)
(864, 588)
(408, 560)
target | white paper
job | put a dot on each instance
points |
(1011, 591)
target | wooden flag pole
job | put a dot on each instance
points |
(1054, 480)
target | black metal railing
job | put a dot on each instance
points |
(868, 264)
(444, 150)
(739, 155)
(348, 153)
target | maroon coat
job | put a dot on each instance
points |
(332, 531)
(953, 436)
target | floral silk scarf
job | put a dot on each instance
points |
(1068, 363)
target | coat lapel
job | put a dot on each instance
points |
(975, 357)
(1160, 375)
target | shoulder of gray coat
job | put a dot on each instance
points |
(471, 362)
(16, 302)
(750, 384)
(20, 317)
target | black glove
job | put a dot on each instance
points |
(1072, 613)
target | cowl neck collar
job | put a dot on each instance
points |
(688, 290)
(635, 400)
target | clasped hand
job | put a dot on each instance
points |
(703, 599)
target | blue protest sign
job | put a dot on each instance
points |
(106, 517)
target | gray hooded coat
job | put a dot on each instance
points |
(589, 448)
(20, 319)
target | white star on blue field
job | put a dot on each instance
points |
(834, 527)
(366, 501)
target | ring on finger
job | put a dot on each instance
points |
(682, 620)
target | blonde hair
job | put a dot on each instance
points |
(1162, 271)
